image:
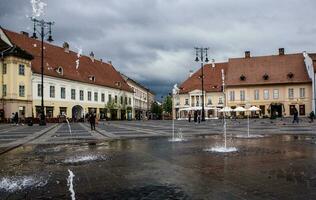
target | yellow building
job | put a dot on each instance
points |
(276, 84)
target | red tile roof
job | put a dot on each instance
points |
(278, 68)
(54, 57)
(212, 79)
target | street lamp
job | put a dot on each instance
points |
(200, 54)
(42, 25)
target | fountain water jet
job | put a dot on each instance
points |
(224, 149)
(70, 184)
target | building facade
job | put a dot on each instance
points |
(189, 100)
(74, 85)
(277, 84)
(142, 99)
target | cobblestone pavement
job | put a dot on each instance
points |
(11, 135)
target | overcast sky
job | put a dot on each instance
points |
(152, 41)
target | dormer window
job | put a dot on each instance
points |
(60, 70)
(242, 77)
(92, 78)
(290, 75)
(118, 83)
(265, 77)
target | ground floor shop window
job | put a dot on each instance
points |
(302, 109)
(103, 112)
(62, 110)
(37, 111)
(49, 112)
(92, 110)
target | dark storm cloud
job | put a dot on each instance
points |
(152, 40)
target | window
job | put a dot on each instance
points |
(242, 95)
(21, 90)
(4, 90)
(49, 112)
(52, 91)
(186, 102)
(265, 94)
(39, 90)
(62, 93)
(62, 110)
(125, 100)
(232, 95)
(96, 96)
(73, 94)
(256, 95)
(115, 100)
(302, 93)
(291, 93)
(4, 68)
(89, 96)
(275, 94)
(102, 97)
(110, 98)
(130, 101)
(209, 101)
(81, 95)
(21, 70)
(121, 100)
(220, 100)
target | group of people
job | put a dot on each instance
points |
(196, 116)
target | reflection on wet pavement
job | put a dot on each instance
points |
(276, 167)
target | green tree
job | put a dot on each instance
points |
(156, 109)
(167, 104)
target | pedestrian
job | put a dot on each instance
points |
(295, 116)
(22, 118)
(199, 117)
(92, 121)
(16, 118)
(312, 116)
(195, 116)
(189, 117)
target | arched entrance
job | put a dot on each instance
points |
(77, 113)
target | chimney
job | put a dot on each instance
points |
(213, 63)
(25, 33)
(66, 47)
(110, 62)
(190, 73)
(247, 54)
(92, 56)
(281, 51)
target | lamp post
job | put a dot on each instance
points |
(42, 25)
(200, 54)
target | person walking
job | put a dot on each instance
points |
(189, 117)
(12, 118)
(295, 116)
(92, 121)
(199, 117)
(195, 116)
(16, 118)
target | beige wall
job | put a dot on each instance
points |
(283, 96)
(12, 101)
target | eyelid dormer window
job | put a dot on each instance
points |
(60, 71)
(92, 78)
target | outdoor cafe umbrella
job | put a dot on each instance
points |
(240, 109)
(226, 109)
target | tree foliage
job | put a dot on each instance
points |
(156, 109)
(167, 104)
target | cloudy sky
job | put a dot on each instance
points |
(153, 41)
